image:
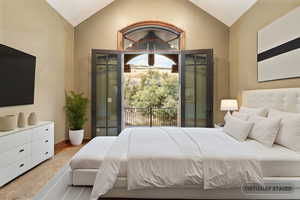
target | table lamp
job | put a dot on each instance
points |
(229, 105)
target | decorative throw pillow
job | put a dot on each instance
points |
(289, 132)
(257, 111)
(264, 129)
(237, 128)
(242, 116)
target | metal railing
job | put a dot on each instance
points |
(150, 117)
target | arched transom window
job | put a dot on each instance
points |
(151, 36)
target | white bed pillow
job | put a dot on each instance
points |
(237, 128)
(289, 132)
(264, 129)
(242, 116)
(263, 112)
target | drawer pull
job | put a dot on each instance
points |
(46, 153)
(47, 129)
(46, 141)
(21, 150)
(22, 165)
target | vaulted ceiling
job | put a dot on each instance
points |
(76, 11)
(227, 11)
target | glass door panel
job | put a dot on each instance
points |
(201, 96)
(101, 95)
(112, 132)
(197, 88)
(113, 60)
(189, 60)
(101, 59)
(101, 132)
(201, 59)
(112, 98)
(189, 96)
(106, 93)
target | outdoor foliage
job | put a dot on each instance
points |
(76, 109)
(154, 89)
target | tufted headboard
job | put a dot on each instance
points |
(285, 99)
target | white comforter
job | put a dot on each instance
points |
(172, 157)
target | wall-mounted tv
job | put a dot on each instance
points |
(17, 76)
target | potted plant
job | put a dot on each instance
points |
(76, 110)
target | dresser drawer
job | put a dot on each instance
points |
(17, 153)
(41, 150)
(40, 132)
(17, 139)
(12, 171)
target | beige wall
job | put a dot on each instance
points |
(34, 27)
(1, 21)
(202, 31)
(243, 68)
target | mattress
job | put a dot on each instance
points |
(277, 161)
(92, 154)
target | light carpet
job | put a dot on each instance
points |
(29, 184)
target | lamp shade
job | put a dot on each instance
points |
(229, 105)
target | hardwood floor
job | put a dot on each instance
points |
(61, 146)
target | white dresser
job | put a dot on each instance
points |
(22, 149)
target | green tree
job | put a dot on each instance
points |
(155, 90)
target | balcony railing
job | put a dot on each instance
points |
(151, 117)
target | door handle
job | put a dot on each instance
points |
(21, 150)
(22, 165)
(46, 141)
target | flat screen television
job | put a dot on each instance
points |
(17, 76)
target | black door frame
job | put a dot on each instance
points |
(210, 84)
(181, 56)
(94, 94)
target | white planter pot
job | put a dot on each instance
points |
(76, 137)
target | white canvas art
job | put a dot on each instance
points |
(278, 50)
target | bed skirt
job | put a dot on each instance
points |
(86, 177)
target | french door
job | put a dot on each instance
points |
(106, 93)
(197, 88)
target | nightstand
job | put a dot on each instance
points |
(219, 125)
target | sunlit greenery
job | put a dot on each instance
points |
(153, 89)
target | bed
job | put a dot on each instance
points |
(278, 164)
